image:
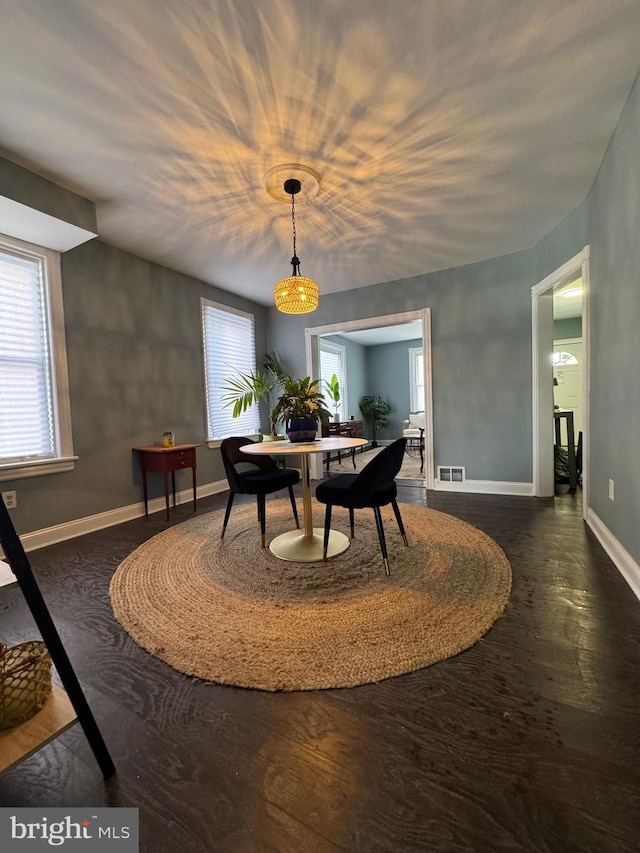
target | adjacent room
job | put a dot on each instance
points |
(318, 419)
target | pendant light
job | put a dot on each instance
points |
(295, 294)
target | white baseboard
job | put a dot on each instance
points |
(91, 523)
(485, 487)
(619, 555)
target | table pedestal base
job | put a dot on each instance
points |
(298, 548)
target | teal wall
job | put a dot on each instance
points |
(481, 352)
(614, 235)
(134, 351)
(561, 244)
(569, 328)
(382, 370)
(388, 376)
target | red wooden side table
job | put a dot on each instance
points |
(165, 460)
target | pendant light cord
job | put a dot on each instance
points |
(295, 260)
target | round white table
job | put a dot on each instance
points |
(305, 545)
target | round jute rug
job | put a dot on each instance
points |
(230, 612)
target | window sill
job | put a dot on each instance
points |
(37, 468)
(214, 443)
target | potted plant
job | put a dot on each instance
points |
(248, 389)
(301, 407)
(374, 410)
(333, 392)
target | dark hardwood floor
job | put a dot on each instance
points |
(529, 741)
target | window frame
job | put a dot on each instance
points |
(64, 459)
(216, 441)
(341, 351)
(416, 357)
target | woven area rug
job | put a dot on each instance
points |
(230, 612)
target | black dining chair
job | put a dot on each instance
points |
(262, 479)
(373, 487)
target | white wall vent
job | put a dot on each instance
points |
(451, 473)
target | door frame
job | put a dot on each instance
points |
(542, 375)
(312, 334)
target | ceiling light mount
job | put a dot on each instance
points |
(292, 186)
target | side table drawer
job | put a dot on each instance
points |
(169, 460)
(178, 459)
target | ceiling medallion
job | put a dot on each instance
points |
(274, 181)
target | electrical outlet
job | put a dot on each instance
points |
(10, 500)
(612, 490)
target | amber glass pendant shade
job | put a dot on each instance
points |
(296, 294)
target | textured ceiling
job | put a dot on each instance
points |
(444, 131)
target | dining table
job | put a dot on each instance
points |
(305, 545)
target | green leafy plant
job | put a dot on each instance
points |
(245, 390)
(375, 410)
(333, 392)
(301, 398)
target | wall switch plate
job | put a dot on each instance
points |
(612, 490)
(10, 499)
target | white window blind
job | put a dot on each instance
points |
(28, 428)
(416, 379)
(229, 348)
(333, 359)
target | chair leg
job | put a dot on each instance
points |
(383, 542)
(353, 457)
(351, 523)
(327, 528)
(261, 518)
(396, 510)
(294, 507)
(227, 513)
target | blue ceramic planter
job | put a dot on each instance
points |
(301, 429)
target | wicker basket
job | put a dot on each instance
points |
(25, 681)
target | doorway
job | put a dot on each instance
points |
(567, 377)
(423, 315)
(542, 303)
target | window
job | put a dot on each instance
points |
(562, 359)
(35, 418)
(333, 359)
(416, 379)
(229, 348)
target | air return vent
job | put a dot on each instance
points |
(451, 473)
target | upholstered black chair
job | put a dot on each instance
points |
(262, 479)
(373, 487)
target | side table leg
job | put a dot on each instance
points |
(166, 492)
(193, 480)
(173, 487)
(144, 491)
